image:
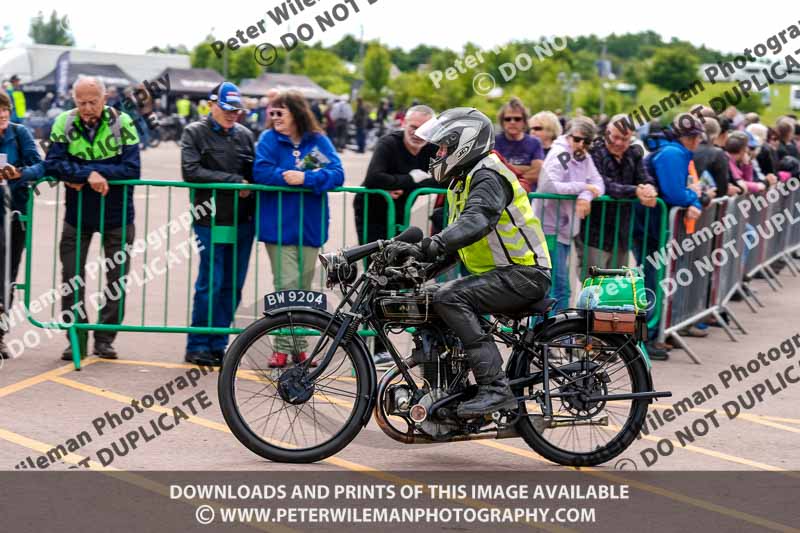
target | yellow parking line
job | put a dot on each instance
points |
(374, 472)
(693, 501)
(756, 419)
(25, 383)
(125, 476)
(43, 448)
(778, 419)
(54, 376)
(245, 374)
(726, 457)
(200, 421)
(127, 400)
(222, 427)
(153, 363)
(717, 455)
(335, 461)
(688, 447)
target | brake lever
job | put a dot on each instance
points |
(393, 272)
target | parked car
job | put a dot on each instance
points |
(794, 96)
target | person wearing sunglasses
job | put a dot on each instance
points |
(294, 153)
(217, 149)
(522, 152)
(546, 127)
(606, 241)
(568, 169)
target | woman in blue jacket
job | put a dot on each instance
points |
(23, 165)
(297, 154)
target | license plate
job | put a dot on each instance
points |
(295, 297)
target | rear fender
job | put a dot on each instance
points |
(517, 365)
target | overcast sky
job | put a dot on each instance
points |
(135, 26)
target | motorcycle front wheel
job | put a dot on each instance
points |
(277, 412)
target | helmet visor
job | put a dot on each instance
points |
(430, 130)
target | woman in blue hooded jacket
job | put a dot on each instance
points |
(297, 154)
(23, 165)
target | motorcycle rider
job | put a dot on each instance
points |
(495, 233)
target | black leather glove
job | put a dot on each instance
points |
(431, 248)
(398, 252)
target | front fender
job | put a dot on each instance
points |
(517, 364)
(360, 346)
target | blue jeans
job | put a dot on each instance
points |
(144, 132)
(361, 139)
(749, 230)
(641, 252)
(223, 305)
(560, 289)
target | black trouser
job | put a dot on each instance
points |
(341, 133)
(460, 302)
(17, 246)
(113, 309)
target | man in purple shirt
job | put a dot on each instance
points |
(521, 151)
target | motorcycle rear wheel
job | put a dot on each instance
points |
(589, 444)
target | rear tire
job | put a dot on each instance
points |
(232, 376)
(637, 373)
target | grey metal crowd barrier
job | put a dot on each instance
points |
(689, 299)
(777, 238)
(735, 239)
(728, 279)
(6, 266)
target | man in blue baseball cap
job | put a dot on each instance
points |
(216, 149)
(227, 96)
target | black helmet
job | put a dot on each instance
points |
(468, 135)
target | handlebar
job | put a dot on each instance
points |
(351, 255)
(411, 235)
(595, 271)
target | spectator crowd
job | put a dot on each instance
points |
(284, 140)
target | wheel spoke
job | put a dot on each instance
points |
(583, 426)
(318, 411)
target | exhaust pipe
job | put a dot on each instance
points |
(411, 437)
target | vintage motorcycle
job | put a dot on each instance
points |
(582, 390)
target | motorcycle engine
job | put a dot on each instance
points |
(440, 362)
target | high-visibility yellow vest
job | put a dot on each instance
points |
(203, 109)
(517, 239)
(184, 107)
(115, 130)
(19, 103)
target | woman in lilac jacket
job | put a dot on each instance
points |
(568, 169)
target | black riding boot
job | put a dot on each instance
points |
(493, 390)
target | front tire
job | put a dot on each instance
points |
(328, 414)
(601, 443)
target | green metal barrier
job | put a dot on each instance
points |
(600, 203)
(220, 235)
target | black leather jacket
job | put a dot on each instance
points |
(489, 195)
(209, 154)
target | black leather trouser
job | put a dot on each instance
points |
(460, 302)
